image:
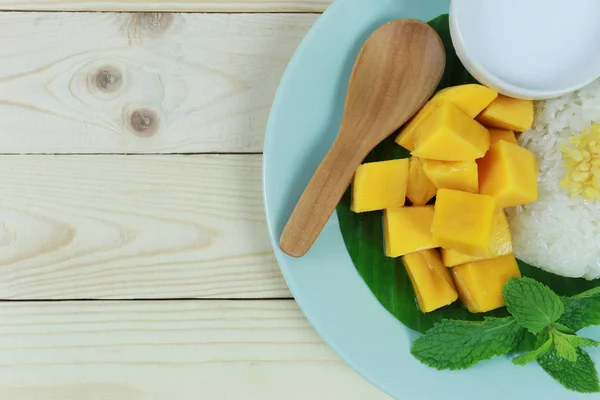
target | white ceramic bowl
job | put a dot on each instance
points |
(531, 49)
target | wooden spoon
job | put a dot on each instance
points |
(396, 71)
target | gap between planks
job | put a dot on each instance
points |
(197, 299)
(134, 154)
(214, 12)
(189, 6)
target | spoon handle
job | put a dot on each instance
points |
(321, 196)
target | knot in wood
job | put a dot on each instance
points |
(144, 122)
(108, 79)
(156, 23)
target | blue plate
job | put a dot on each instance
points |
(304, 121)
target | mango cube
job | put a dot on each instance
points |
(420, 189)
(508, 113)
(463, 221)
(408, 229)
(406, 136)
(448, 134)
(432, 282)
(480, 283)
(453, 258)
(509, 173)
(500, 244)
(502, 134)
(471, 98)
(379, 185)
(457, 175)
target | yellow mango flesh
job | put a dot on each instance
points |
(500, 244)
(457, 175)
(432, 282)
(508, 113)
(379, 185)
(509, 173)
(471, 98)
(420, 189)
(502, 134)
(408, 229)
(463, 221)
(406, 136)
(448, 134)
(480, 283)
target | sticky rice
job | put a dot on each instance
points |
(559, 233)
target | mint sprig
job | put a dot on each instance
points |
(455, 344)
(536, 307)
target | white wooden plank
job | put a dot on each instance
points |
(158, 82)
(134, 227)
(168, 350)
(166, 5)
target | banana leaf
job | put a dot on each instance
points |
(387, 277)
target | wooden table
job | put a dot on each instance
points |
(135, 261)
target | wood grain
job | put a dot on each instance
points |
(141, 83)
(168, 350)
(166, 5)
(134, 227)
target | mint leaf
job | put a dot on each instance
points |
(582, 310)
(456, 344)
(542, 338)
(562, 328)
(579, 376)
(532, 303)
(579, 341)
(532, 355)
(588, 293)
(564, 348)
(528, 343)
